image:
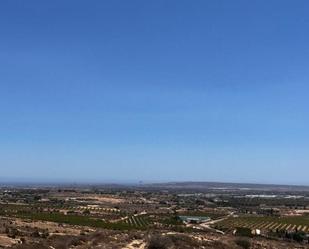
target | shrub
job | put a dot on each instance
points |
(159, 242)
(243, 243)
(243, 231)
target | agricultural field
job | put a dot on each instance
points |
(213, 214)
(137, 221)
(135, 218)
(297, 223)
(29, 212)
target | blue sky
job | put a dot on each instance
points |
(155, 90)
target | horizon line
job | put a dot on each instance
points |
(29, 181)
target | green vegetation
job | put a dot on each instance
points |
(243, 243)
(243, 231)
(213, 215)
(172, 220)
(73, 220)
(139, 221)
(32, 213)
(299, 223)
(270, 202)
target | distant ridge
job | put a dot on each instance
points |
(181, 185)
(236, 186)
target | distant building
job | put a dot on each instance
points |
(256, 232)
(194, 219)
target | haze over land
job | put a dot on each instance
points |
(122, 91)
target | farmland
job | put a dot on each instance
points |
(84, 217)
(137, 221)
(298, 223)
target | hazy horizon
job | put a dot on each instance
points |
(213, 91)
(96, 181)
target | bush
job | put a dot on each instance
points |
(159, 242)
(299, 236)
(243, 243)
(243, 231)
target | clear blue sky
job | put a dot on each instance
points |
(155, 90)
